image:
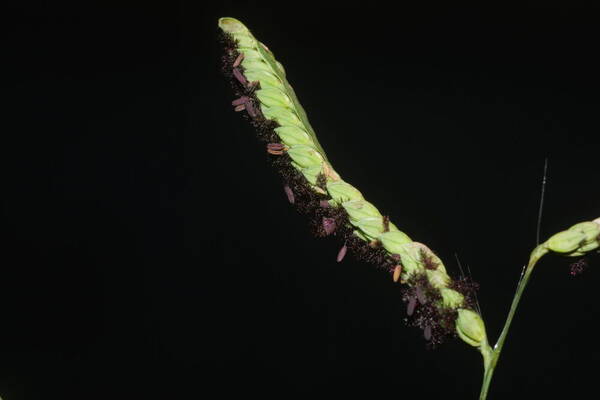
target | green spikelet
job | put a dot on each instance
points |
(579, 240)
(419, 267)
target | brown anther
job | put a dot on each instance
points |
(397, 272)
(329, 172)
(250, 108)
(374, 244)
(289, 194)
(427, 333)
(276, 148)
(412, 303)
(238, 60)
(241, 100)
(386, 223)
(239, 76)
(342, 253)
(321, 181)
(241, 107)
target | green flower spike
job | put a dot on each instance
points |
(263, 84)
(437, 304)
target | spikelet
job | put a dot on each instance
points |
(579, 240)
(435, 303)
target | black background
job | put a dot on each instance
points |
(148, 250)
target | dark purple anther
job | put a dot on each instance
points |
(239, 76)
(342, 253)
(324, 203)
(578, 267)
(328, 225)
(241, 100)
(289, 194)
(412, 303)
(250, 108)
(427, 333)
(421, 295)
(241, 107)
(238, 60)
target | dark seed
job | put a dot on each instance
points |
(289, 194)
(342, 253)
(412, 303)
(421, 295)
(328, 225)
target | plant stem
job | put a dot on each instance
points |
(490, 356)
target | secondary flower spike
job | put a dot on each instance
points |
(434, 301)
(579, 240)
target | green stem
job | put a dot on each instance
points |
(490, 357)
